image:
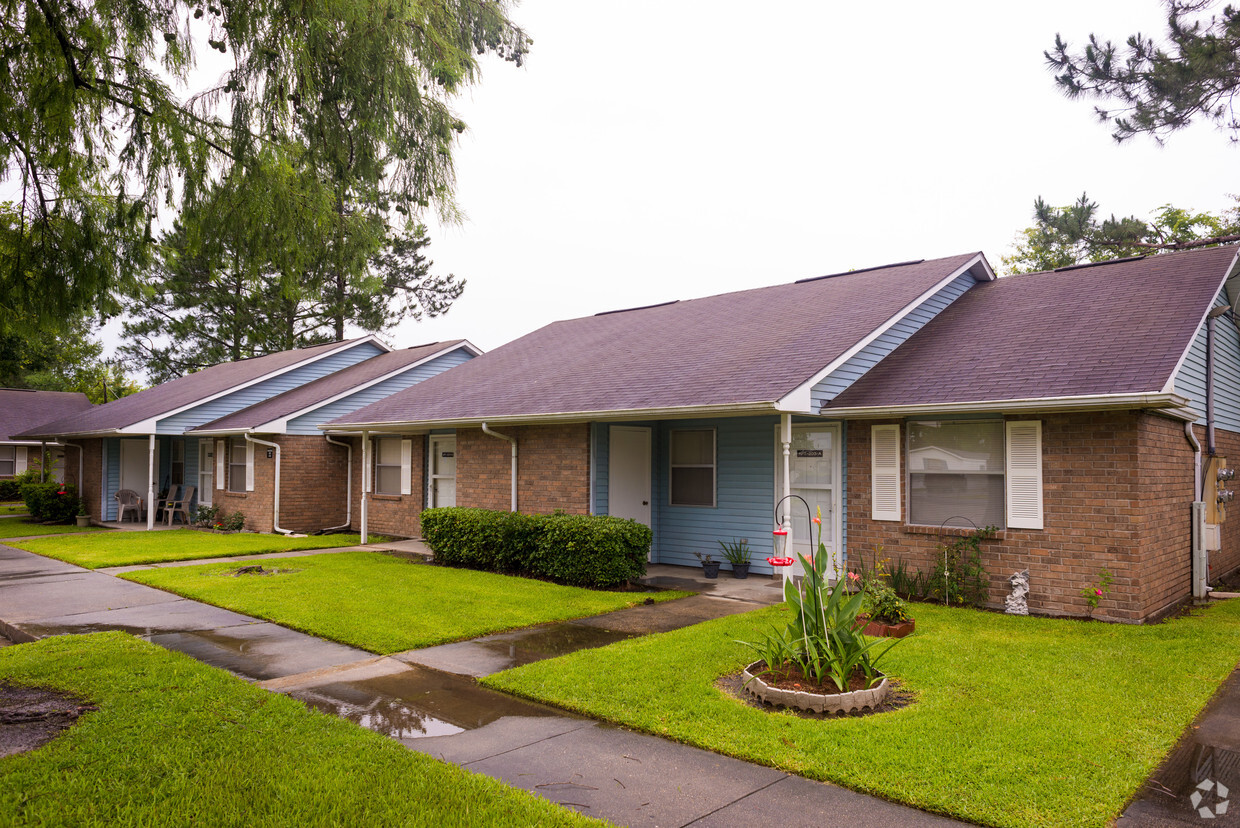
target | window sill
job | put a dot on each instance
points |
(947, 531)
(227, 493)
(392, 497)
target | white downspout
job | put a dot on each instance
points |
(348, 485)
(275, 493)
(785, 438)
(513, 441)
(150, 482)
(365, 486)
(1192, 441)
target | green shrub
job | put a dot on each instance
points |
(51, 501)
(582, 550)
(11, 489)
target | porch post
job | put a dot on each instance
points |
(43, 461)
(365, 520)
(785, 437)
(150, 482)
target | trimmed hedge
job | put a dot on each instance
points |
(10, 491)
(580, 550)
(51, 502)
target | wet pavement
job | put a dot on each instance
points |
(625, 777)
(1199, 783)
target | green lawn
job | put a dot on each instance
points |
(175, 742)
(21, 527)
(1017, 721)
(138, 547)
(13, 509)
(386, 604)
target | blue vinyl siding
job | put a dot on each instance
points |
(112, 454)
(227, 404)
(848, 373)
(308, 423)
(1191, 379)
(600, 438)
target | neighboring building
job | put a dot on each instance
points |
(149, 442)
(22, 409)
(1064, 407)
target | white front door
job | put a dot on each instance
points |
(442, 470)
(628, 473)
(815, 465)
(135, 467)
(206, 471)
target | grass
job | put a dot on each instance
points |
(175, 742)
(13, 509)
(1017, 721)
(385, 604)
(138, 547)
(22, 527)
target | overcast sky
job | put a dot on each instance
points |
(663, 150)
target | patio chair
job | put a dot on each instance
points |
(168, 495)
(128, 500)
(181, 505)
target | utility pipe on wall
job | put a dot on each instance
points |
(513, 441)
(275, 493)
(348, 485)
(1192, 441)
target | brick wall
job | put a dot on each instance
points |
(1116, 493)
(392, 514)
(553, 469)
(92, 462)
(312, 486)
(256, 505)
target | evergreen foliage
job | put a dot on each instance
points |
(1159, 88)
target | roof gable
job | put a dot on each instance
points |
(1118, 328)
(736, 349)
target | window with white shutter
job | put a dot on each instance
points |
(885, 472)
(1024, 474)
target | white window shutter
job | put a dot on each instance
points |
(249, 466)
(885, 472)
(406, 467)
(20, 457)
(1024, 474)
(220, 447)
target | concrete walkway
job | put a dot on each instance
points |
(625, 777)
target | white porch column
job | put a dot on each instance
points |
(365, 484)
(785, 437)
(150, 483)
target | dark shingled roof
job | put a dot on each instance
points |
(1115, 328)
(178, 393)
(325, 388)
(745, 347)
(21, 409)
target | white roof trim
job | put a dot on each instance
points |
(1086, 402)
(799, 399)
(1228, 274)
(677, 412)
(147, 426)
(280, 424)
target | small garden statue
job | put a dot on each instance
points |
(1016, 604)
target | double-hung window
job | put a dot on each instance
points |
(8, 461)
(237, 464)
(692, 469)
(956, 473)
(387, 466)
(178, 462)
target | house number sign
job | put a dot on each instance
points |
(809, 452)
(448, 454)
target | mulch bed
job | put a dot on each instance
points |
(33, 716)
(897, 698)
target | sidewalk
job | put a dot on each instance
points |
(625, 777)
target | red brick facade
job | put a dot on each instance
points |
(553, 469)
(1117, 494)
(392, 514)
(312, 486)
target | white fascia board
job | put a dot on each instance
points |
(799, 399)
(280, 425)
(672, 413)
(147, 426)
(1228, 274)
(1090, 402)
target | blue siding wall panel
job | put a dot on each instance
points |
(237, 400)
(601, 433)
(1190, 381)
(848, 373)
(308, 423)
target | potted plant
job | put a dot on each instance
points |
(738, 554)
(710, 566)
(83, 519)
(886, 614)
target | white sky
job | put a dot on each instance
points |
(663, 149)
(660, 149)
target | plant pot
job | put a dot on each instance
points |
(83, 520)
(710, 570)
(878, 629)
(830, 703)
(740, 571)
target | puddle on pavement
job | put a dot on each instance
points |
(1197, 782)
(528, 646)
(415, 703)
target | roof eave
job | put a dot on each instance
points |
(1164, 401)
(667, 413)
